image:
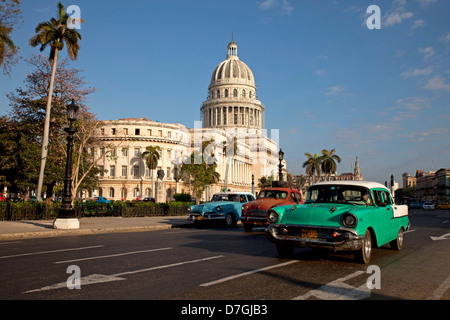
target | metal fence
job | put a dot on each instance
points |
(44, 211)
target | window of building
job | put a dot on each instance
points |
(149, 132)
(136, 171)
(224, 115)
(235, 93)
(125, 152)
(113, 131)
(137, 132)
(125, 130)
(102, 171)
(243, 93)
(112, 171)
(218, 93)
(102, 131)
(111, 192)
(168, 173)
(226, 93)
(159, 133)
(124, 171)
(137, 152)
(169, 134)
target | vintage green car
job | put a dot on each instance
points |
(340, 215)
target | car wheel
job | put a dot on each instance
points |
(285, 251)
(248, 227)
(230, 220)
(397, 244)
(364, 254)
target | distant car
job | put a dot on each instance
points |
(255, 213)
(2, 198)
(428, 206)
(443, 206)
(415, 205)
(225, 206)
(101, 200)
(340, 215)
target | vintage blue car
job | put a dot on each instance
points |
(225, 206)
(340, 215)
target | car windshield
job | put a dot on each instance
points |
(276, 194)
(225, 197)
(339, 194)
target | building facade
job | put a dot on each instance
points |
(232, 112)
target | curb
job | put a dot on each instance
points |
(62, 233)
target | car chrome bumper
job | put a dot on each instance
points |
(346, 239)
(206, 217)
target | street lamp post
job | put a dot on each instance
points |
(66, 214)
(280, 165)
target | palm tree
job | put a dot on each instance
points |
(5, 42)
(329, 159)
(151, 156)
(312, 164)
(231, 142)
(54, 33)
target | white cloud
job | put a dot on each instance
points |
(286, 7)
(418, 24)
(437, 83)
(334, 91)
(416, 72)
(446, 38)
(396, 15)
(428, 52)
(268, 4)
(426, 2)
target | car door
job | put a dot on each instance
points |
(384, 224)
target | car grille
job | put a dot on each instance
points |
(257, 213)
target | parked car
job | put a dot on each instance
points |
(443, 206)
(415, 205)
(255, 213)
(225, 206)
(340, 215)
(101, 200)
(428, 205)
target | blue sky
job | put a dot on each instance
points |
(326, 80)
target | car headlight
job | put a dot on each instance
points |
(349, 220)
(243, 207)
(189, 209)
(219, 208)
(273, 216)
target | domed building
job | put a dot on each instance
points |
(232, 100)
(232, 109)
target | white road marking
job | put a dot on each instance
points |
(52, 251)
(443, 237)
(207, 284)
(439, 292)
(339, 290)
(99, 278)
(113, 255)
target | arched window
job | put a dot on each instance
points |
(123, 194)
(226, 93)
(218, 93)
(111, 192)
(235, 93)
(243, 93)
(250, 95)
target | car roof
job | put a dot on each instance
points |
(233, 192)
(367, 184)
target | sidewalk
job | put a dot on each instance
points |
(10, 230)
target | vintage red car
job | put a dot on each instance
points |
(254, 213)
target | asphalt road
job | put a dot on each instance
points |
(215, 263)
